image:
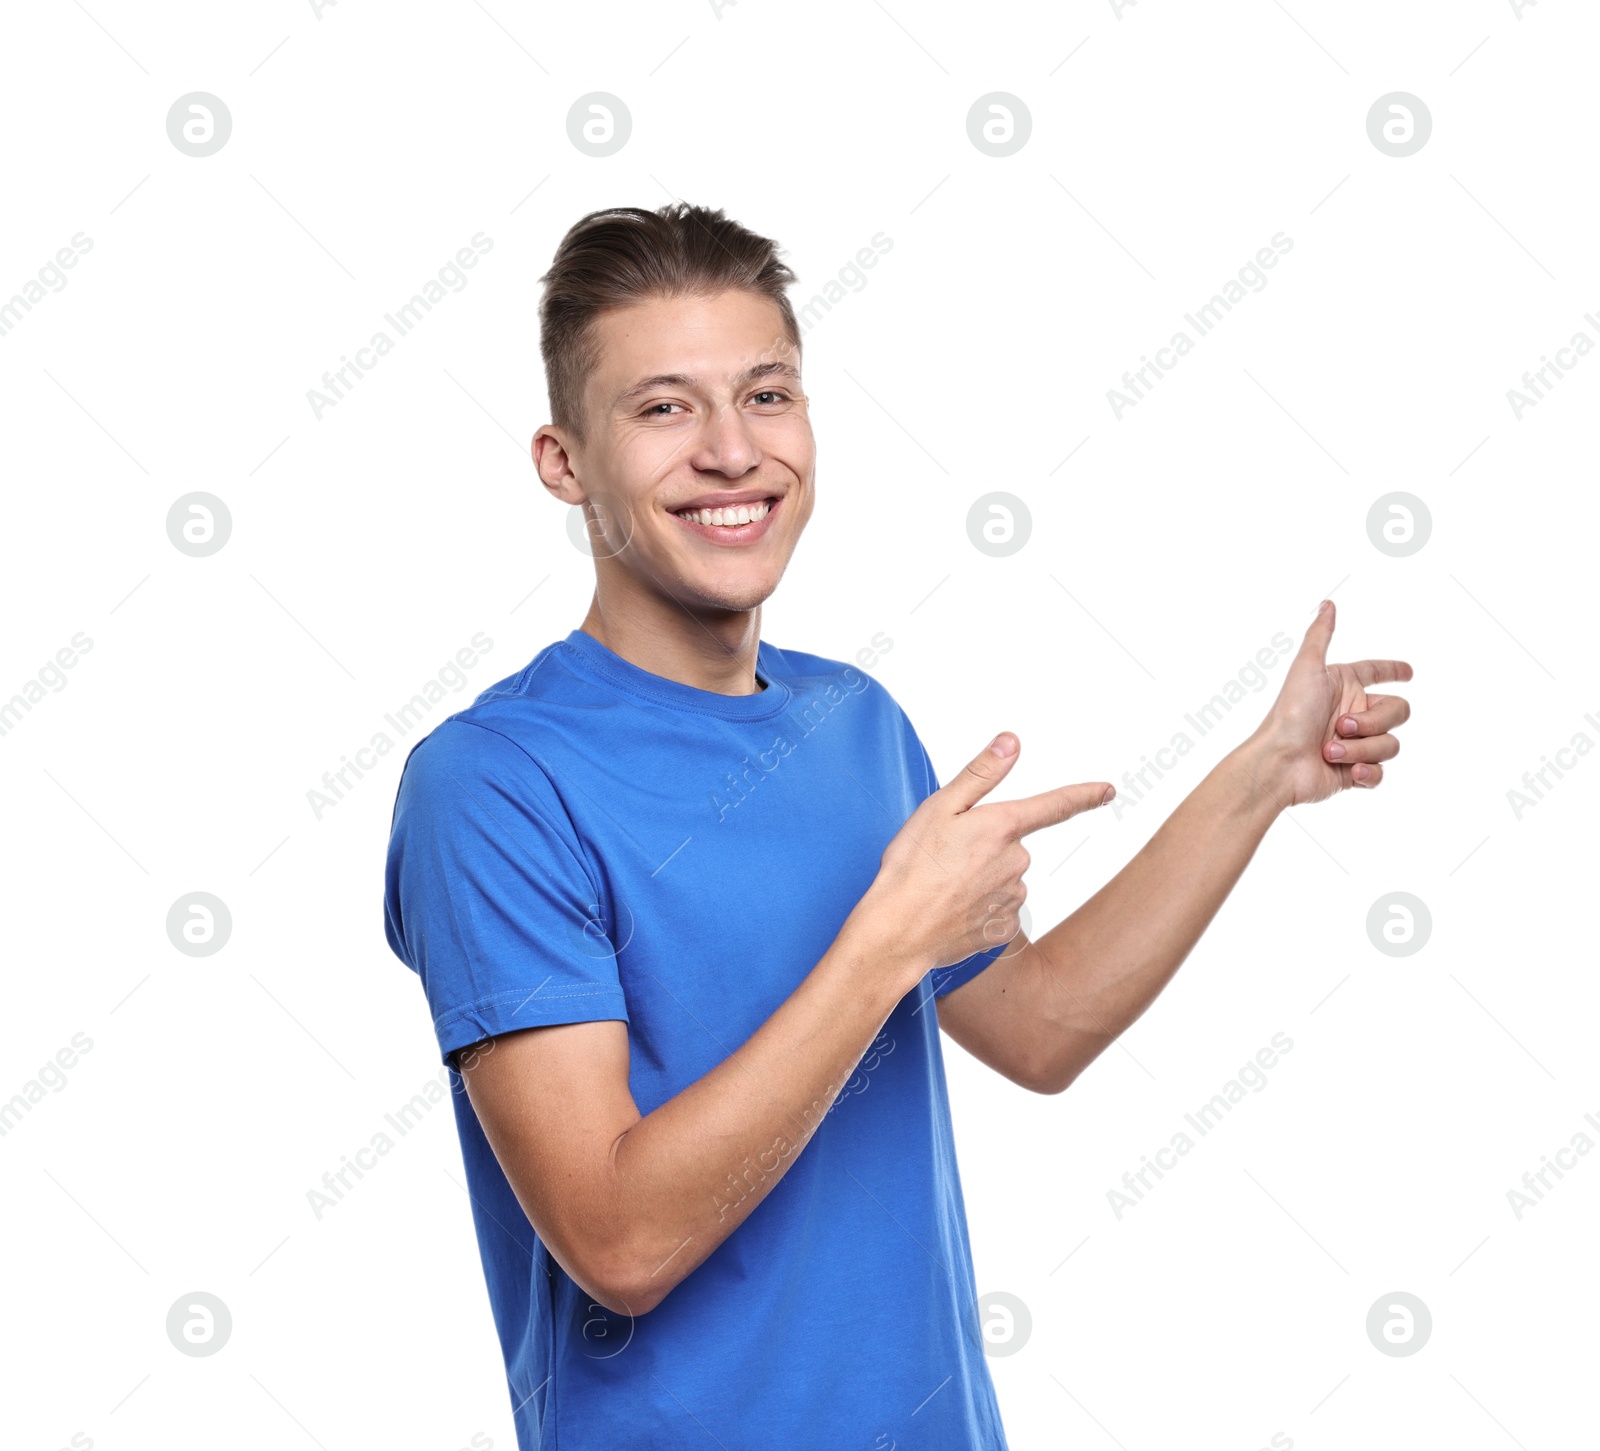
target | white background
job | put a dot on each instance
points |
(1168, 145)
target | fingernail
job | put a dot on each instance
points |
(1325, 605)
(1110, 792)
(1358, 773)
(1004, 745)
(1349, 725)
(1335, 750)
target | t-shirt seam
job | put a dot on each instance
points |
(521, 682)
(556, 995)
(551, 996)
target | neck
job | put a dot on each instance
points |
(709, 650)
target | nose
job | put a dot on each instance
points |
(725, 444)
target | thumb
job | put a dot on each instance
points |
(982, 773)
(1314, 647)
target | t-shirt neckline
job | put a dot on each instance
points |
(611, 668)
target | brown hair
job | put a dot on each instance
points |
(624, 255)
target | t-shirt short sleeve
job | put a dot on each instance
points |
(945, 979)
(488, 895)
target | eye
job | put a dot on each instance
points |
(650, 412)
(770, 393)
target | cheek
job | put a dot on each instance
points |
(790, 439)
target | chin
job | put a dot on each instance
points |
(730, 595)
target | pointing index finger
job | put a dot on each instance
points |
(1377, 672)
(1051, 808)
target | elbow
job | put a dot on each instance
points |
(625, 1300)
(629, 1298)
(1057, 1069)
(1050, 1077)
(620, 1281)
(1050, 1086)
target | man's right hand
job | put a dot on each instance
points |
(950, 882)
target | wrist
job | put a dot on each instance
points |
(1260, 768)
(875, 942)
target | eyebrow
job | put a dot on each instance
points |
(684, 380)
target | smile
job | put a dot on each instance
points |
(741, 524)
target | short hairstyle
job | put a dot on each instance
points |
(624, 255)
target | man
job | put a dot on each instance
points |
(690, 909)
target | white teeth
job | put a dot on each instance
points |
(743, 514)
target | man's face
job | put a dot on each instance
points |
(695, 405)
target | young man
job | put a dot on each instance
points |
(689, 911)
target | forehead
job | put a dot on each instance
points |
(714, 340)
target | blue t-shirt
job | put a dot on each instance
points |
(589, 840)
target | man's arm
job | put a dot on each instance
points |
(631, 1204)
(1043, 1011)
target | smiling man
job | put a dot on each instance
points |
(690, 911)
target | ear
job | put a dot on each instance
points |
(554, 462)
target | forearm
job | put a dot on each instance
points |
(687, 1174)
(1100, 968)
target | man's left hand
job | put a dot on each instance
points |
(1324, 732)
